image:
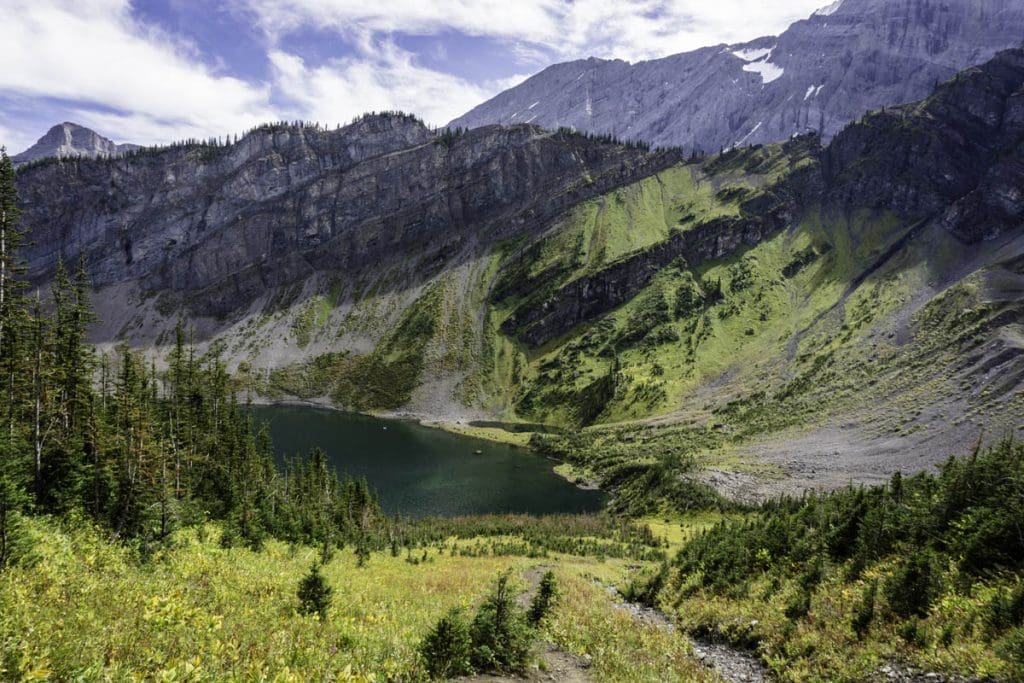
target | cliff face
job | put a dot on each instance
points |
(957, 152)
(958, 157)
(71, 140)
(214, 227)
(819, 75)
(870, 286)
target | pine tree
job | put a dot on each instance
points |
(544, 600)
(13, 472)
(314, 593)
(501, 637)
(11, 240)
(41, 419)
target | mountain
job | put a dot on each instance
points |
(819, 75)
(71, 140)
(214, 227)
(789, 315)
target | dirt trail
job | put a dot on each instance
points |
(555, 664)
(732, 665)
(735, 666)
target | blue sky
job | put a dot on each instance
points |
(153, 71)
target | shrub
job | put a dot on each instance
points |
(447, 649)
(864, 611)
(913, 633)
(645, 591)
(688, 300)
(314, 593)
(544, 600)
(1006, 609)
(913, 586)
(1011, 649)
(800, 605)
(500, 635)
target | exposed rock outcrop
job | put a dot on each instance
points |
(213, 227)
(819, 75)
(72, 140)
(959, 153)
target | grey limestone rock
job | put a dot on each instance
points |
(71, 140)
(819, 75)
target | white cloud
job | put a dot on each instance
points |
(626, 29)
(92, 51)
(136, 83)
(15, 141)
(389, 79)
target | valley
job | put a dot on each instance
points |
(714, 383)
(738, 304)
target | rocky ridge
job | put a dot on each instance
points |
(71, 140)
(870, 287)
(819, 75)
(213, 227)
(956, 155)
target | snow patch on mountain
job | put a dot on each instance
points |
(753, 55)
(813, 91)
(747, 136)
(769, 72)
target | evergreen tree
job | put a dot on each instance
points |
(314, 593)
(544, 600)
(13, 473)
(42, 416)
(500, 635)
(447, 649)
(11, 240)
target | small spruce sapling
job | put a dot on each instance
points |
(314, 593)
(447, 649)
(544, 600)
(501, 637)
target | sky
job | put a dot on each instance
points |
(155, 71)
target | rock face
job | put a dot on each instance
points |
(957, 156)
(819, 75)
(960, 153)
(215, 227)
(71, 140)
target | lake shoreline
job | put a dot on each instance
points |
(493, 434)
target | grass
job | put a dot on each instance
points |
(83, 608)
(199, 611)
(494, 434)
(310, 318)
(677, 530)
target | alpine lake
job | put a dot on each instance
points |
(419, 471)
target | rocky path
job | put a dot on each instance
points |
(555, 664)
(731, 664)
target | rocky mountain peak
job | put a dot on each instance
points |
(820, 74)
(69, 139)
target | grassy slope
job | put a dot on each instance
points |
(197, 611)
(821, 323)
(742, 582)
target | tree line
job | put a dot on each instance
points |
(139, 449)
